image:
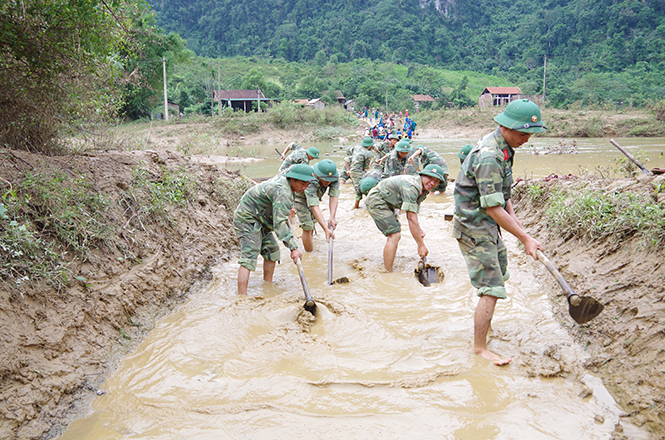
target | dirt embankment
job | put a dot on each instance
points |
(627, 340)
(58, 347)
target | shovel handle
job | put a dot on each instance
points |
(570, 295)
(330, 259)
(629, 156)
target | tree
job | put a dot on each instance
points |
(58, 66)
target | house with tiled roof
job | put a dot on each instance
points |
(499, 96)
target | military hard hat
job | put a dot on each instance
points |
(433, 170)
(301, 171)
(367, 142)
(521, 115)
(314, 152)
(393, 136)
(326, 170)
(367, 184)
(464, 152)
(403, 146)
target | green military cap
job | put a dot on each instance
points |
(433, 170)
(464, 152)
(367, 142)
(314, 152)
(367, 184)
(301, 171)
(521, 115)
(403, 146)
(326, 170)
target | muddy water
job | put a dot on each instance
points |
(591, 153)
(384, 358)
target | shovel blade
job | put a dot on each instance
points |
(586, 310)
(310, 306)
(428, 275)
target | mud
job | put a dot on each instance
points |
(57, 348)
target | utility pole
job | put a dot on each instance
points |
(219, 90)
(166, 99)
(544, 75)
(386, 100)
(258, 100)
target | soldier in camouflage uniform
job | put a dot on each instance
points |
(397, 162)
(263, 209)
(387, 146)
(405, 193)
(483, 206)
(299, 155)
(363, 156)
(428, 156)
(345, 175)
(464, 152)
(370, 180)
(307, 203)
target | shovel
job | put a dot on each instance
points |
(310, 305)
(581, 308)
(341, 280)
(426, 274)
(629, 156)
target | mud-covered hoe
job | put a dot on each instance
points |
(426, 274)
(310, 305)
(340, 280)
(581, 308)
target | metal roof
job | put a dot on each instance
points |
(503, 90)
(239, 95)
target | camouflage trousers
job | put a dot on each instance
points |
(384, 215)
(305, 216)
(255, 238)
(487, 263)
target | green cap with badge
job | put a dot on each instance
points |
(326, 170)
(301, 171)
(521, 115)
(433, 170)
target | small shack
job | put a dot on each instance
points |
(317, 104)
(421, 99)
(350, 104)
(244, 100)
(498, 96)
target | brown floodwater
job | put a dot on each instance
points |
(385, 357)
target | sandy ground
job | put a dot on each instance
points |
(58, 347)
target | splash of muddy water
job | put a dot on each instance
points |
(385, 358)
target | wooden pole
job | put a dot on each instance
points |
(166, 98)
(544, 75)
(219, 90)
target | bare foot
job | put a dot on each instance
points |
(495, 358)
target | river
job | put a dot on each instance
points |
(385, 357)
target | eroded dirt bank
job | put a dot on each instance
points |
(57, 347)
(627, 340)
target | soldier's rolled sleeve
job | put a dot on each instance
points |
(489, 177)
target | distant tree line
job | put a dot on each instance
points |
(589, 45)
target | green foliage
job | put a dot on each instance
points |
(25, 257)
(597, 52)
(161, 192)
(230, 191)
(596, 214)
(57, 67)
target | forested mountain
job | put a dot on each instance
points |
(509, 36)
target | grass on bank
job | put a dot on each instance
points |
(49, 219)
(597, 214)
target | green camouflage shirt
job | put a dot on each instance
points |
(402, 192)
(269, 203)
(484, 181)
(429, 156)
(395, 165)
(297, 156)
(360, 163)
(384, 148)
(315, 192)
